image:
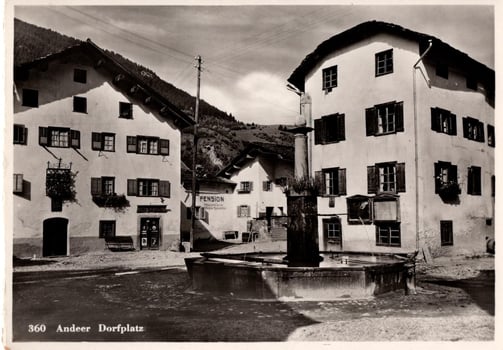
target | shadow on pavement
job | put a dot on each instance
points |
(480, 288)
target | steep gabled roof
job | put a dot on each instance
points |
(127, 74)
(252, 151)
(365, 30)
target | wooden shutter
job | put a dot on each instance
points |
(341, 128)
(251, 185)
(320, 179)
(481, 128)
(399, 116)
(239, 211)
(264, 186)
(342, 181)
(43, 139)
(437, 170)
(96, 186)
(435, 120)
(371, 121)
(96, 141)
(132, 187)
(131, 144)
(318, 126)
(400, 177)
(470, 181)
(453, 175)
(75, 138)
(164, 147)
(164, 189)
(372, 179)
(465, 127)
(454, 126)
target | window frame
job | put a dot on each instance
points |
(20, 136)
(125, 110)
(390, 226)
(18, 183)
(337, 176)
(491, 136)
(372, 118)
(59, 130)
(474, 181)
(357, 202)
(473, 129)
(333, 225)
(330, 129)
(445, 173)
(440, 117)
(102, 224)
(80, 104)
(148, 185)
(80, 75)
(267, 186)
(30, 98)
(374, 178)
(245, 187)
(329, 78)
(446, 233)
(245, 207)
(385, 69)
(98, 141)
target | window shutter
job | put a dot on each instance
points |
(400, 177)
(435, 120)
(164, 189)
(264, 186)
(43, 136)
(96, 186)
(251, 185)
(454, 126)
(75, 138)
(132, 187)
(465, 127)
(239, 211)
(318, 126)
(320, 179)
(131, 144)
(453, 175)
(248, 211)
(341, 131)
(342, 182)
(470, 181)
(399, 116)
(371, 121)
(437, 168)
(96, 143)
(482, 138)
(372, 179)
(164, 147)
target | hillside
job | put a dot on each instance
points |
(221, 135)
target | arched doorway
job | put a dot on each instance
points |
(55, 237)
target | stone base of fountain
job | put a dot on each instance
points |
(267, 276)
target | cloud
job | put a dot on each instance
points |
(257, 97)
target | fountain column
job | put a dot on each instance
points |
(302, 230)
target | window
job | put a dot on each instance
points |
(245, 187)
(329, 78)
(56, 204)
(30, 98)
(446, 232)
(384, 119)
(79, 104)
(102, 186)
(442, 70)
(243, 211)
(80, 75)
(386, 178)
(388, 234)
(58, 137)
(147, 145)
(473, 129)
(384, 62)
(491, 137)
(493, 185)
(446, 176)
(267, 186)
(18, 183)
(329, 129)
(332, 230)
(359, 210)
(20, 134)
(125, 110)
(471, 83)
(332, 181)
(443, 121)
(474, 181)
(107, 228)
(148, 188)
(103, 142)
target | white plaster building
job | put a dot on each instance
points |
(84, 111)
(250, 187)
(403, 142)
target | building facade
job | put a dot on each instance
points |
(249, 189)
(96, 155)
(403, 142)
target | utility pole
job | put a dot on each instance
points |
(194, 154)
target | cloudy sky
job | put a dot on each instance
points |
(248, 52)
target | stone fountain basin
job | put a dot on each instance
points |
(267, 276)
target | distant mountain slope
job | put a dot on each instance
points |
(219, 132)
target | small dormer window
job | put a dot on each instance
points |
(80, 75)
